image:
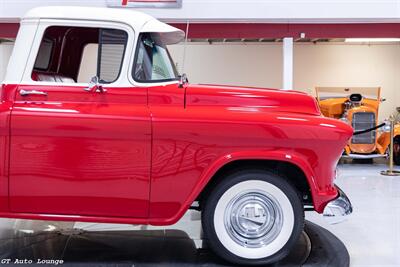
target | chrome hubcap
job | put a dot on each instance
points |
(253, 219)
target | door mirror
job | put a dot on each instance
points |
(95, 86)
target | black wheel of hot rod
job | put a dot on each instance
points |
(253, 217)
(363, 161)
(396, 150)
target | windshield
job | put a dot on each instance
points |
(341, 92)
(153, 62)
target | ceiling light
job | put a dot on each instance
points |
(371, 40)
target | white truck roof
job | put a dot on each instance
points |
(139, 21)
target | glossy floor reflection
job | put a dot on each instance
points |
(315, 247)
(372, 233)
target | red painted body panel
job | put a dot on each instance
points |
(5, 110)
(143, 155)
(78, 152)
(223, 124)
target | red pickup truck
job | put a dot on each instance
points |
(96, 125)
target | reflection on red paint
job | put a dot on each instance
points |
(143, 154)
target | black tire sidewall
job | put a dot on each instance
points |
(396, 156)
(241, 176)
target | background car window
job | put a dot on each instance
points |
(153, 62)
(76, 54)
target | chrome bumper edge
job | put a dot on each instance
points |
(339, 207)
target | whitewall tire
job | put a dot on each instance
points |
(253, 217)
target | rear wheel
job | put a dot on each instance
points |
(253, 217)
(396, 150)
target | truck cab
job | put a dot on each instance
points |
(97, 129)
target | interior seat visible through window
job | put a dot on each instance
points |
(77, 54)
(51, 77)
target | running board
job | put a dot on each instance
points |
(361, 156)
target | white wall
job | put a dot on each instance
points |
(314, 65)
(242, 10)
(350, 65)
(234, 64)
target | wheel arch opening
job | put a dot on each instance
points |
(290, 171)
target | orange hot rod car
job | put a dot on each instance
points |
(359, 106)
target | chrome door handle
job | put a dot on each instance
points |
(31, 92)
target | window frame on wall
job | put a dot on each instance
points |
(44, 24)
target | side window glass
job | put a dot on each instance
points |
(111, 52)
(43, 58)
(76, 54)
(153, 62)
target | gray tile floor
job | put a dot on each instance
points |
(371, 233)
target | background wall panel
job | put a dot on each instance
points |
(314, 65)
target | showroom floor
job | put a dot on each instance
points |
(371, 233)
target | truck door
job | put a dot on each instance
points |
(77, 150)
